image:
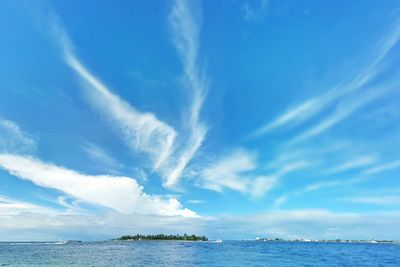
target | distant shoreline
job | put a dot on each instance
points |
(210, 241)
(161, 237)
(372, 241)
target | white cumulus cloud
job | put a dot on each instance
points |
(122, 194)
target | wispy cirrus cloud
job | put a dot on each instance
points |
(143, 131)
(239, 170)
(316, 186)
(343, 110)
(352, 164)
(383, 196)
(122, 194)
(185, 28)
(14, 139)
(196, 201)
(365, 166)
(309, 108)
(235, 171)
(291, 166)
(330, 183)
(253, 11)
(375, 200)
(296, 114)
(99, 155)
(336, 105)
(383, 167)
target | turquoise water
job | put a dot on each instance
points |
(173, 253)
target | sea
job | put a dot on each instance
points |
(176, 253)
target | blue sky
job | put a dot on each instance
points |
(233, 119)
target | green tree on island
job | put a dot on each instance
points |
(185, 237)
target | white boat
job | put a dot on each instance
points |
(218, 241)
(60, 243)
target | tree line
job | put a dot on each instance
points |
(184, 237)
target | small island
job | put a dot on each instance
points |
(162, 237)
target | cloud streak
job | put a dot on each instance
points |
(343, 110)
(13, 138)
(383, 167)
(239, 171)
(119, 193)
(254, 12)
(185, 30)
(143, 131)
(311, 107)
(101, 156)
(375, 200)
(235, 171)
(353, 164)
(316, 186)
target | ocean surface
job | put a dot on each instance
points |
(175, 253)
